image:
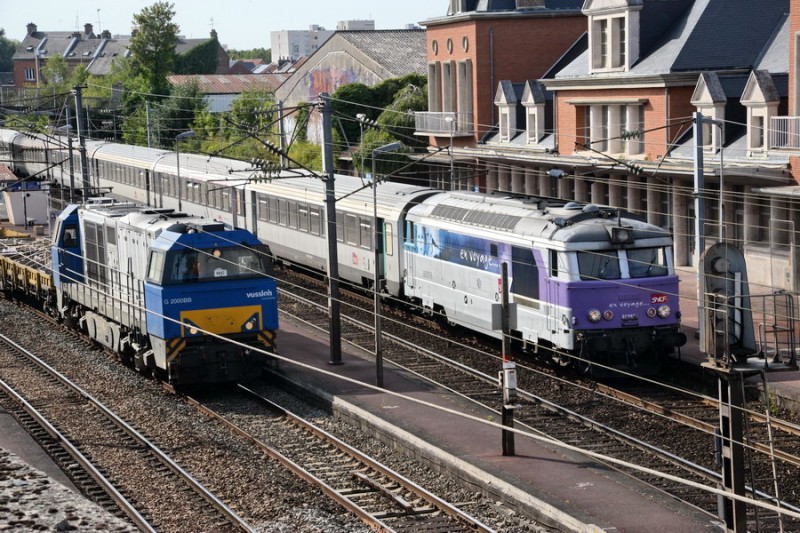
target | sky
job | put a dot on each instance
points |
(240, 24)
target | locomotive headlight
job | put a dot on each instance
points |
(608, 315)
(652, 312)
(621, 235)
(664, 311)
(249, 325)
(594, 316)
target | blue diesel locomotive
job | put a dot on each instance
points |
(187, 298)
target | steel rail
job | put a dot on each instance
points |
(141, 439)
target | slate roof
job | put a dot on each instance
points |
(705, 35)
(231, 83)
(398, 51)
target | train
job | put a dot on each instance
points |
(589, 285)
(186, 299)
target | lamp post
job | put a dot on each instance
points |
(376, 239)
(178, 139)
(361, 118)
(68, 130)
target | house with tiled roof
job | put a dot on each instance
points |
(220, 90)
(96, 53)
(367, 57)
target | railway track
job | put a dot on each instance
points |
(105, 446)
(670, 431)
(381, 497)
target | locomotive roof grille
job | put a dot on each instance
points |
(487, 219)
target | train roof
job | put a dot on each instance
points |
(129, 154)
(148, 218)
(534, 217)
(353, 194)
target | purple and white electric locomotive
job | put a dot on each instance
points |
(592, 284)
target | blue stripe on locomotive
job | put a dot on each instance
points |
(173, 310)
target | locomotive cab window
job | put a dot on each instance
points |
(70, 236)
(236, 262)
(647, 262)
(599, 265)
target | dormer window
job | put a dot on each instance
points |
(613, 34)
(709, 98)
(761, 99)
(608, 43)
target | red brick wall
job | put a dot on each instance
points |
(664, 107)
(19, 73)
(524, 48)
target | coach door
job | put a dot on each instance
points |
(409, 258)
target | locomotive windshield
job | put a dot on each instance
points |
(606, 264)
(647, 262)
(238, 262)
(601, 264)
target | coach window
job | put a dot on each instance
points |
(283, 212)
(293, 215)
(226, 199)
(339, 226)
(365, 227)
(351, 229)
(315, 221)
(263, 207)
(388, 238)
(302, 217)
(273, 210)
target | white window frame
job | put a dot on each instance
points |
(30, 74)
(609, 43)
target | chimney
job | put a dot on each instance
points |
(77, 35)
(214, 34)
(87, 28)
(106, 34)
(31, 28)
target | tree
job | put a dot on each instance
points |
(7, 49)
(153, 46)
(201, 59)
(56, 75)
(265, 54)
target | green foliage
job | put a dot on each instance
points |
(307, 154)
(174, 115)
(28, 122)
(201, 59)
(56, 75)
(153, 47)
(7, 49)
(389, 109)
(253, 112)
(264, 54)
(347, 101)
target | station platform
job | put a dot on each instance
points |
(561, 489)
